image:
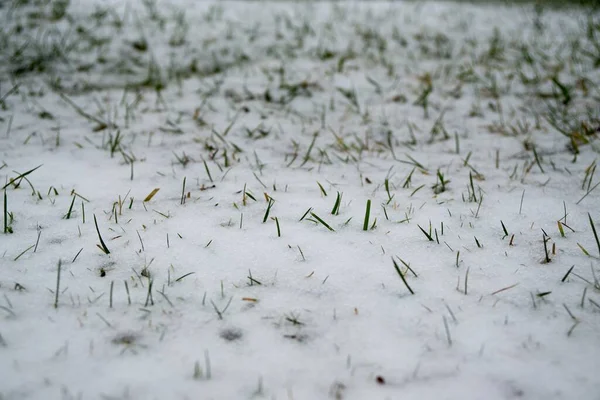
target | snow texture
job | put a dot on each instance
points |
(472, 131)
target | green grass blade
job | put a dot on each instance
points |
(427, 235)
(20, 176)
(102, 244)
(595, 233)
(402, 276)
(367, 214)
(336, 206)
(325, 224)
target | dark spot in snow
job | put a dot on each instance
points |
(337, 390)
(379, 379)
(298, 337)
(126, 338)
(231, 334)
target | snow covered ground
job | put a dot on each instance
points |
(225, 200)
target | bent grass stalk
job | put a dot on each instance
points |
(19, 177)
(336, 206)
(278, 227)
(268, 210)
(102, 245)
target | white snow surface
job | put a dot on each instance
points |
(268, 108)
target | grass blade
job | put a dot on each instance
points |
(402, 276)
(5, 213)
(595, 233)
(20, 176)
(322, 189)
(151, 195)
(57, 292)
(325, 224)
(336, 206)
(102, 244)
(278, 227)
(268, 210)
(24, 251)
(68, 216)
(367, 214)
(427, 235)
(207, 171)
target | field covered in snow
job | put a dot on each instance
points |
(289, 200)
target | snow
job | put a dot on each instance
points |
(276, 100)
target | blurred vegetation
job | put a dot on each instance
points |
(595, 4)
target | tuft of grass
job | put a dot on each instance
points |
(440, 185)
